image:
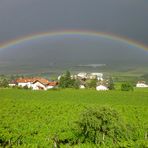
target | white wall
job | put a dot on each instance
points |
(141, 85)
(36, 86)
(50, 87)
(101, 87)
(28, 84)
(11, 85)
(82, 87)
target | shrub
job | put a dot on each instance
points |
(100, 126)
(25, 87)
(127, 87)
(111, 84)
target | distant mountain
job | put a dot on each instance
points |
(66, 53)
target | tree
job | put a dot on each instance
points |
(91, 83)
(127, 87)
(100, 126)
(111, 84)
(66, 81)
(77, 84)
(4, 83)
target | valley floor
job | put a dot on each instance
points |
(32, 118)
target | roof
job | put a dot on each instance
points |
(143, 82)
(36, 79)
(32, 80)
(52, 83)
(12, 82)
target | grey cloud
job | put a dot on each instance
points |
(22, 17)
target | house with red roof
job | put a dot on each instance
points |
(36, 83)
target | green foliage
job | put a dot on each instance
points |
(4, 83)
(25, 87)
(91, 83)
(134, 144)
(101, 125)
(66, 81)
(38, 118)
(76, 84)
(111, 84)
(6, 79)
(127, 87)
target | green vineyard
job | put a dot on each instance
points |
(49, 118)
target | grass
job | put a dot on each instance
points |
(138, 97)
(39, 115)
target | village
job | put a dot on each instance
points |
(84, 79)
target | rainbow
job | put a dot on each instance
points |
(73, 32)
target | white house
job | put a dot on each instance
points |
(12, 83)
(82, 75)
(99, 76)
(73, 76)
(22, 82)
(141, 84)
(82, 87)
(101, 88)
(36, 83)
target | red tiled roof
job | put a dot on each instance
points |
(33, 80)
(52, 83)
(25, 80)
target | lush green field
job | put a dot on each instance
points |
(34, 118)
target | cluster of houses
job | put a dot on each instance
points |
(83, 77)
(38, 83)
(35, 83)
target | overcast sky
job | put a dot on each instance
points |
(122, 17)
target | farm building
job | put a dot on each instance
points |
(98, 76)
(141, 84)
(35, 83)
(82, 87)
(12, 83)
(82, 75)
(101, 88)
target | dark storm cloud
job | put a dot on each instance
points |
(123, 17)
